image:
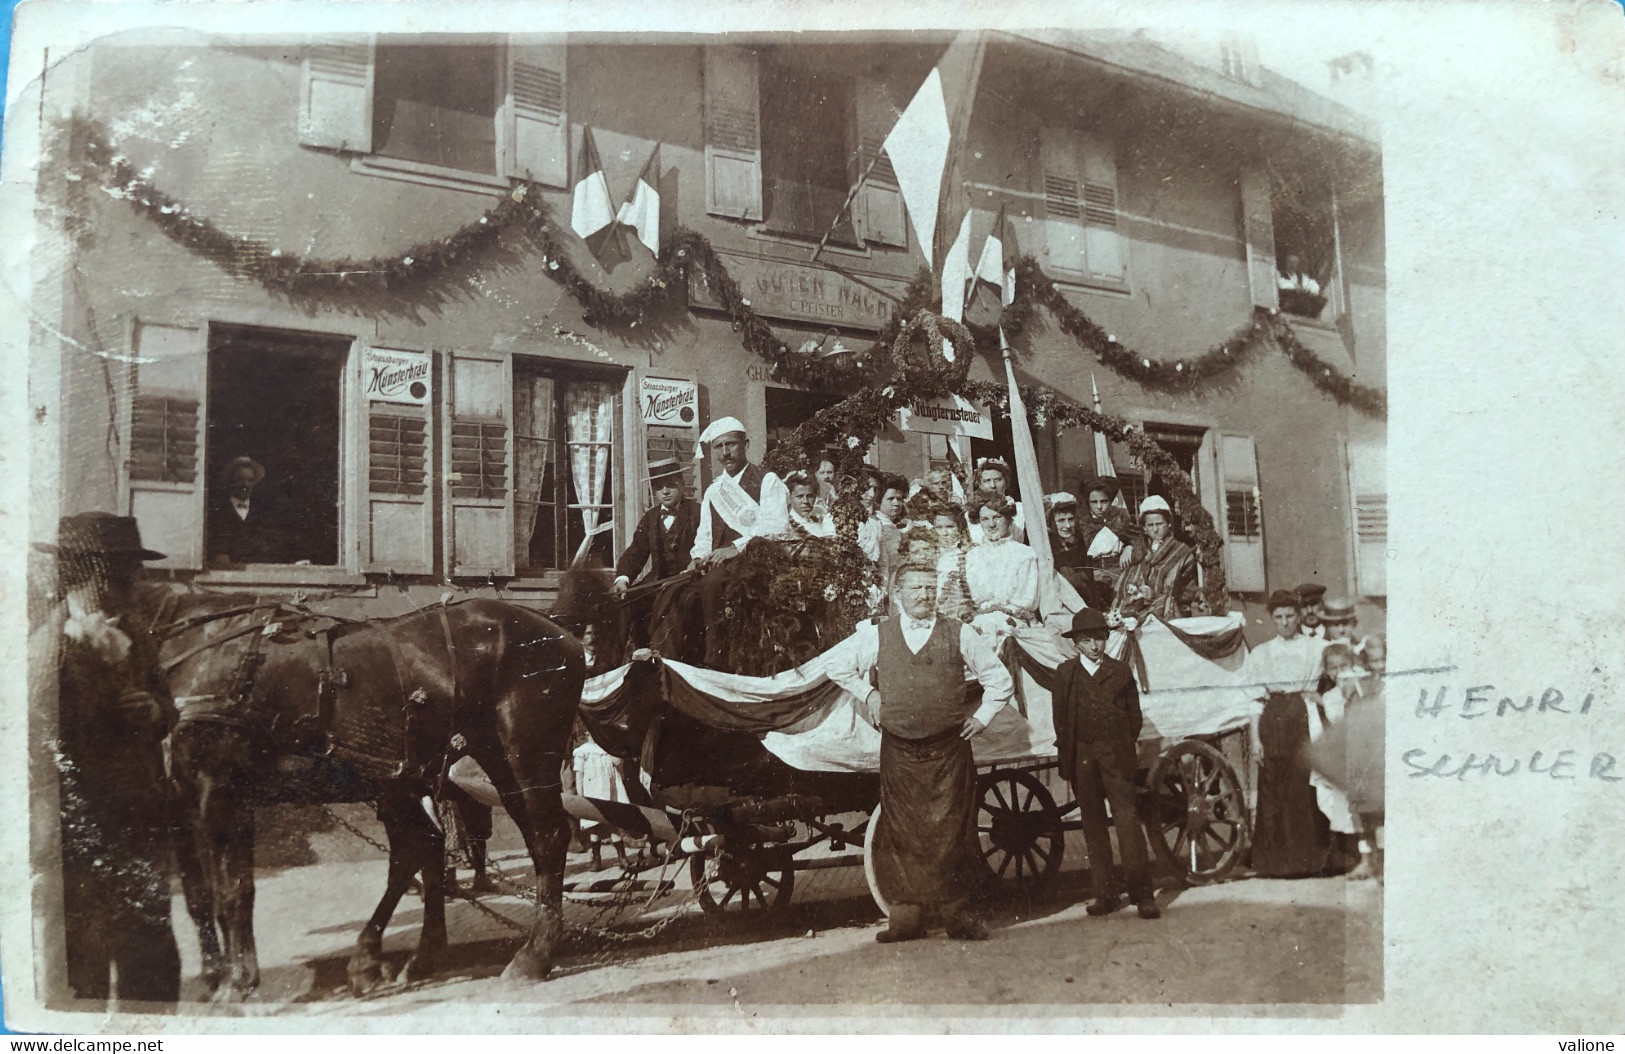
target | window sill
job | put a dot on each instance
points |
(1312, 323)
(761, 232)
(281, 575)
(1071, 283)
(429, 175)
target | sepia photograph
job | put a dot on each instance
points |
(795, 517)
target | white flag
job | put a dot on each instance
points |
(642, 210)
(590, 209)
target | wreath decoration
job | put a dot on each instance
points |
(920, 354)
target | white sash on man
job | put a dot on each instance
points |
(737, 508)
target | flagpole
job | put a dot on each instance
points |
(851, 195)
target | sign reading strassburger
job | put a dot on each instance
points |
(674, 404)
(948, 416)
(390, 376)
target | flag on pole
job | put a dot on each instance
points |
(996, 266)
(590, 210)
(925, 143)
(641, 212)
(1055, 594)
(1103, 454)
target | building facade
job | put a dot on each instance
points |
(481, 437)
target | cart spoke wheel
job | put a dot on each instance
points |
(1197, 819)
(752, 881)
(1019, 830)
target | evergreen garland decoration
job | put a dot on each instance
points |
(786, 602)
(523, 222)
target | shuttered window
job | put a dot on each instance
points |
(479, 459)
(733, 149)
(1368, 490)
(1082, 236)
(396, 446)
(163, 439)
(1243, 514)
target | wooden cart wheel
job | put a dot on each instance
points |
(869, 863)
(1019, 829)
(749, 882)
(1197, 813)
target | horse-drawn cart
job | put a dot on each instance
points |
(759, 778)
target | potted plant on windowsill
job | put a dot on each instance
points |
(1302, 302)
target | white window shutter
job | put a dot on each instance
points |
(1065, 250)
(1368, 486)
(538, 133)
(478, 465)
(1102, 236)
(164, 418)
(1243, 514)
(1258, 228)
(733, 142)
(878, 209)
(335, 98)
(398, 529)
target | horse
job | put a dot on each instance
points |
(278, 703)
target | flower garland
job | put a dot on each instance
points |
(785, 603)
(523, 222)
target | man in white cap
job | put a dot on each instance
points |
(1163, 574)
(742, 503)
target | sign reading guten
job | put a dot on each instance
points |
(777, 289)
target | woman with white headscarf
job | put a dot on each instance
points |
(1162, 577)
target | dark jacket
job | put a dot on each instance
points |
(667, 550)
(1096, 716)
(260, 538)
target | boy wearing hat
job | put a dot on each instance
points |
(114, 712)
(664, 537)
(1340, 621)
(1097, 732)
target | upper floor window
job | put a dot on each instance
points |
(1304, 219)
(437, 105)
(787, 137)
(471, 115)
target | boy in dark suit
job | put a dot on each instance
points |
(1097, 729)
(666, 532)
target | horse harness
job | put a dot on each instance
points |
(281, 623)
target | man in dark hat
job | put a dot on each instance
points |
(1312, 606)
(114, 712)
(242, 528)
(1097, 734)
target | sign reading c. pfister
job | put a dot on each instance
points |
(948, 416)
(390, 376)
(674, 404)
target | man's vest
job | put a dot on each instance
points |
(750, 481)
(921, 694)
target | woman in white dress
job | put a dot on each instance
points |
(1000, 574)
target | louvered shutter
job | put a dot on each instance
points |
(1368, 486)
(1243, 514)
(878, 210)
(733, 145)
(398, 530)
(163, 441)
(478, 465)
(1065, 251)
(335, 97)
(1102, 238)
(1258, 227)
(538, 135)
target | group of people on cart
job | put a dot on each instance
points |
(959, 579)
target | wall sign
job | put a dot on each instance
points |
(948, 416)
(390, 376)
(777, 289)
(675, 404)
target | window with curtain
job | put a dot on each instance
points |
(564, 468)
